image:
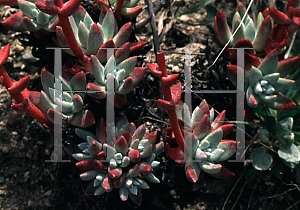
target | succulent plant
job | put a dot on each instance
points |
(204, 147)
(287, 21)
(30, 18)
(283, 135)
(92, 37)
(123, 165)
(249, 35)
(266, 85)
(283, 138)
(125, 76)
(19, 92)
(126, 8)
(72, 104)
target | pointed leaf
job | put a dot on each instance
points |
(214, 138)
(210, 167)
(169, 80)
(252, 99)
(121, 145)
(47, 7)
(128, 64)
(224, 173)
(282, 103)
(250, 31)
(95, 39)
(85, 165)
(192, 171)
(123, 34)
(83, 119)
(262, 34)
(165, 105)
(287, 66)
(99, 93)
(137, 74)
(94, 148)
(219, 120)
(89, 175)
(83, 34)
(70, 7)
(122, 53)
(240, 34)
(14, 22)
(21, 107)
(254, 76)
(84, 133)
(222, 29)
(102, 52)
(176, 92)
(229, 147)
(108, 24)
(19, 86)
(269, 64)
(279, 17)
(203, 128)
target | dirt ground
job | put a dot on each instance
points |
(27, 181)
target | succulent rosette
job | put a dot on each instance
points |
(286, 24)
(30, 18)
(93, 38)
(248, 35)
(71, 103)
(125, 76)
(123, 165)
(127, 8)
(204, 146)
(266, 85)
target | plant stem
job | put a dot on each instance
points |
(68, 32)
(118, 10)
(19, 98)
(167, 96)
(153, 26)
(155, 42)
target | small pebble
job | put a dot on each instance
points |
(2, 192)
(175, 69)
(26, 176)
(48, 193)
(19, 48)
(5, 150)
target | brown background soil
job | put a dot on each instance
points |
(28, 182)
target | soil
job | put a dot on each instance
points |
(27, 181)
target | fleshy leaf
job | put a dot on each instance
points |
(261, 160)
(289, 153)
(269, 64)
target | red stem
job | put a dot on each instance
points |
(59, 3)
(68, 32)
(167, 96)
(118, 10)
(32, 110)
